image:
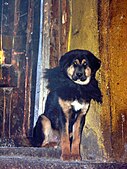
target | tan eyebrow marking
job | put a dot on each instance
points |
(77, 62)
(83, 61)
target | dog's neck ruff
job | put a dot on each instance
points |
(66, 88)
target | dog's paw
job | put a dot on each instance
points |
(76, 157)
(66, 157)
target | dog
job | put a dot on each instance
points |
(72, 86)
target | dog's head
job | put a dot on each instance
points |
(79, 65)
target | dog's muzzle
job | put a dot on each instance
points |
(79, 75)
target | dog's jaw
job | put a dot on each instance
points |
(78, 81)
(85, 82)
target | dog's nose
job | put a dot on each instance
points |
(79, 74)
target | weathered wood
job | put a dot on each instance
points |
(59, 30)
(9, 76)
(104, 20)
(118, 71)
(55, 33)
(18, 68)
(28, 72)
(65, 20)
(113, 46)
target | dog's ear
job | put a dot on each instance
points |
(67, 59)
(95, 63)
(64, 61)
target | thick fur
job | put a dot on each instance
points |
(72, 86)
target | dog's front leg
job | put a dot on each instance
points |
(65, 143)
(64, 130)
(75, 148)
(77, 132)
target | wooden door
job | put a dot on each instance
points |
(18, 61)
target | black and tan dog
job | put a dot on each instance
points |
(72, 86)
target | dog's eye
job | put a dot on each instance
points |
(75, 63)
(84, 64)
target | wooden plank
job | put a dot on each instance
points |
(65, 20)
(59, 30)
(28, 71)
(106, 116)
(118, 72)
(55, 33)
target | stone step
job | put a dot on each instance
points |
(30, 151)
(27, 162)
(46, 158)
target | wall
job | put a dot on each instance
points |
(101, 27)
(84, 35)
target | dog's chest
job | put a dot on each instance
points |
(80, 105)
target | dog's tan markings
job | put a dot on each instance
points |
(88, 71)
(51, 136)
(77, 62)
(46, 127)
(65, 147)
(65, 137)
(75, 150)
(83, 61)
(65, 105)
(70, 71)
